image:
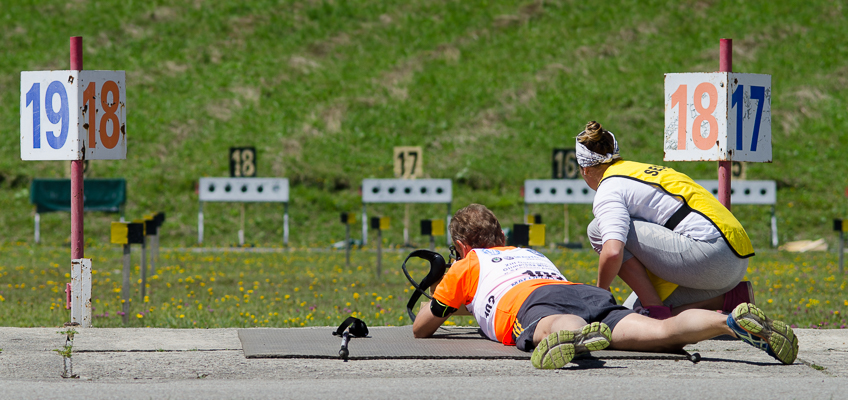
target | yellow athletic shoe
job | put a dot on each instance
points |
(752, 326)
(559, 348)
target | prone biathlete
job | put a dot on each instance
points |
(519, 297)
(664, 235)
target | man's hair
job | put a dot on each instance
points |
(476, 226)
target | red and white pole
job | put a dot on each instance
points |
(725, 65)
(77, 192)
(80, 267)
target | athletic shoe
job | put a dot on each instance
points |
(742, 293)
(774, 337)
(559, 348)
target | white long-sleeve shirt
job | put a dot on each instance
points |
(620, 200)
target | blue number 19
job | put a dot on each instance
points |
(757, 93)
(55, 117)
(33, 97)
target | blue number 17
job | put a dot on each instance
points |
(757, 93)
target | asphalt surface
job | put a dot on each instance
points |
(209, 364)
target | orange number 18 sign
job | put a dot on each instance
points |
(103, 114)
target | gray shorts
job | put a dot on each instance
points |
(704, 269)
(591, 303)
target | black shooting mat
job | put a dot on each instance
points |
(385, 342)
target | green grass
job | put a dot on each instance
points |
(293, 288)
(326, 89)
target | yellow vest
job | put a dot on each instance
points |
(699, 199)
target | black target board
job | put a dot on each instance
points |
(242, 162)
(564, 162)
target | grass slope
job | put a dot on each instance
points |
(326, 89)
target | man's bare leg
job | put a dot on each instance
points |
(556, 323)
(641, 333)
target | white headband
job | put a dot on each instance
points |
(588, 158)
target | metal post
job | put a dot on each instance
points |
(156, 250)
(565, 230)
(241, 229)
(725, 65)
(143, 269)
(841, 251)
(152, 269)
(432, 243)
(37, 228)
(364, 226)
(347, 244)
(447, 227)
(77, 190)
(200, 224)
(379, 252)
(406, 225)
(81, 292)
(125, 286)
(773, 227)
(286, 224)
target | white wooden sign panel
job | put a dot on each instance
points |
(73, 115)
(749, 118)
(103, 114)
(49, 130)
(719, 116)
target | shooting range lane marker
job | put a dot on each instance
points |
(70, 133)
(556, 191)
(244, 190)
(405, 191)
(730, 116)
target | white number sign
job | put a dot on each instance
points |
(73, 115)
(720, 116)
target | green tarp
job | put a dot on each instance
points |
(100, 195)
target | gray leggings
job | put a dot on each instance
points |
(704, 269)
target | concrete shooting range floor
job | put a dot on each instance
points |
(203, 364)
(398, 343)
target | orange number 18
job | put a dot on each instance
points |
(109, 109)
(705, 115)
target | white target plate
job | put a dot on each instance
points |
(407, 191)
(746, 192)
(557, 191)
(244, 189)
